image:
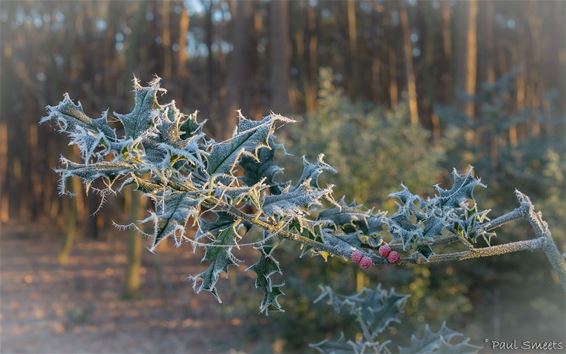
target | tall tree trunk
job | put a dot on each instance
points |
(279, 56)
(184, 21)
(471, 55)
(70, 206)
(166, 39)
(447, 91)
(210, 58)
(134, 248)
(237, 68)
(353, 45)
(393, 87)
(4, 199)
(410, 74)
(313, 34)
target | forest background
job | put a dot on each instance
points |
(390, 91)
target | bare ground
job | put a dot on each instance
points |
(76, 308)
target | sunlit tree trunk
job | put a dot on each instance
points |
(353, 46)
(4, 199)
(182, 57)
(134, 248)
(166, 39)
(393, 88)
(471, 55)
(70, 215)
(410, 74)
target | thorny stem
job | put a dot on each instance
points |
(526, 210)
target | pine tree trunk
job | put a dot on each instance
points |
(134, 249)
(410, 74)
(70, 230)
(237, 73)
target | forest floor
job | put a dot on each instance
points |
(46, 307)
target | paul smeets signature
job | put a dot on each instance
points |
(524, 345)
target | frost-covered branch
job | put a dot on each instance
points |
(227, 190)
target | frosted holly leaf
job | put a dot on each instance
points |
(213, 224)
(374, 309)
(404, 196)
(378, 309)
(312, 171)
(219, 257)
(433, 226)
(146, 108)
(263, 168)
(266, 267)
(350, 217)
(404, 230)
(462, 189)
(69, 115)
(471, 224)
(294, 200)
(249, 136)
(343, 346)
(424, 251)
(444, 340)
(173, 210)
(88, 173)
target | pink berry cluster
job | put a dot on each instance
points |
(384, 251)
(364, 261)
(393, 257)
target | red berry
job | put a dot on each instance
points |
(356, 256)
(384, 250)
(366, 262)
(394, 257)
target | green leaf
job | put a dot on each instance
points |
(312, 171)
(343, 346)
(265, 268)
(444, 341)
(264, 167)
(462, 189)
(248, 137)
(293, 201)
(171, 215)
(374, 309)
(219, 256)
(140, 118)
(425, 251)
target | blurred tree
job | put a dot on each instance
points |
(279, 54)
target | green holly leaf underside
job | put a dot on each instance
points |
(444, 340)
(219, 256)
